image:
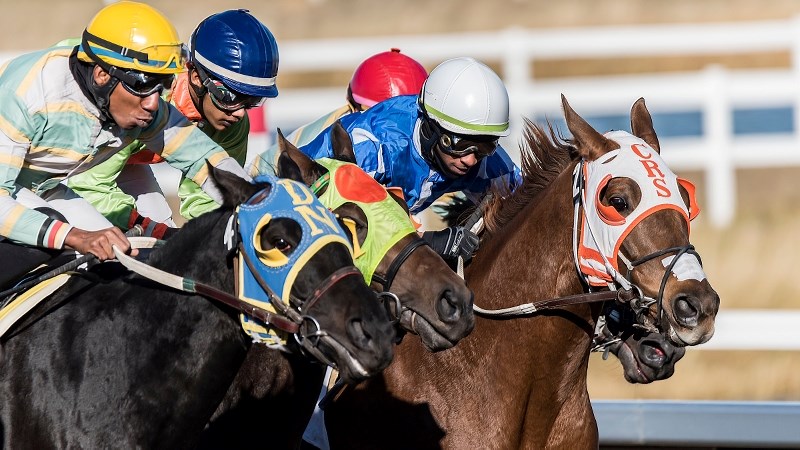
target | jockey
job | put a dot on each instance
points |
(381, 76)
(443, 140)
(232, 67)
(68, 109)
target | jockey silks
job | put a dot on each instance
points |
(387, 146)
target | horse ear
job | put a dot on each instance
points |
(296, 165)
(397, 195)
(342, 144)
(642, 124)
(591, 144)
(234, 189)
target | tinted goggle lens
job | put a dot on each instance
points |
(459, 147)
(145, 85)
(228, 100)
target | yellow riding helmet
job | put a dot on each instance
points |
(133, 35)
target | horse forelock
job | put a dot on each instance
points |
(544, 154)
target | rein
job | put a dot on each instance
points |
(474, 223)
(193, 287)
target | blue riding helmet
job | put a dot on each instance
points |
(238, 50)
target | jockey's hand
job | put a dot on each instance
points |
(99, 242)
(150, 227)
(453, 242)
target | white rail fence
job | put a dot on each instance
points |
(714, 91)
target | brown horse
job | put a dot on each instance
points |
(434, 303)
(522, 383)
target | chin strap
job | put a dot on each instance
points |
(428, 139)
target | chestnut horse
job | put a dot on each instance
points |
(522, 383)
(432, 301)
(645, 355)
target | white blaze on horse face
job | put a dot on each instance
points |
(687, 268)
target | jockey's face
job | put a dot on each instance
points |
(126, 109)
(456, 166)
(217, 118)
(459, 154)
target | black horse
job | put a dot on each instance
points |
(122, 362)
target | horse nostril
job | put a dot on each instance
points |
(685, 311)
(448, 307)
(358, 334)
(652, 353)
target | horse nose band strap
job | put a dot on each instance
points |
(640, 306)
(394, 267)
(328, 283)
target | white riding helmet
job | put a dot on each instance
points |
(465, 96)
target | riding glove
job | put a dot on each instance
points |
(453, 242)
(150, 227)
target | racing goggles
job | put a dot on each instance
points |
(143, 84)
(224, 97)
(458, 147)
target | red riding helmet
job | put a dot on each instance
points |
(386, 75)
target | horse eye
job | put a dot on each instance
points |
(618, 203)
(282, 245)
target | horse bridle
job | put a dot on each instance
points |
(631, 294)
(641, 303)
(390, 300)
(297, 313)
(393, 306)
(289, 319)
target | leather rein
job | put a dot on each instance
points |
(289, 320)
(625, 293)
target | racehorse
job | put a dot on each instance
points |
(127, 363)
(435, 303)
(646, 356)
(521, 383)
(432, 301)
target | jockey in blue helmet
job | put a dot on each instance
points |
(232, 67)
(239, 56)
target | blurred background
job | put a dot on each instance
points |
(720, 77)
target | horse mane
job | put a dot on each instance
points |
(544, 154)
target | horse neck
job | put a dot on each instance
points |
(197, 251)
(536, 245)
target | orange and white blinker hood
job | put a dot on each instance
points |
(603, 229)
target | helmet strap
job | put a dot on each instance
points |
(112, 70)
(429, 136)
(199, 91)
(354, 105)
(84, 76)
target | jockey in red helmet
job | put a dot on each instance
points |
(383, 76)
(379, 77)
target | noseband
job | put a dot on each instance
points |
(639, 302)
(394, 308)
